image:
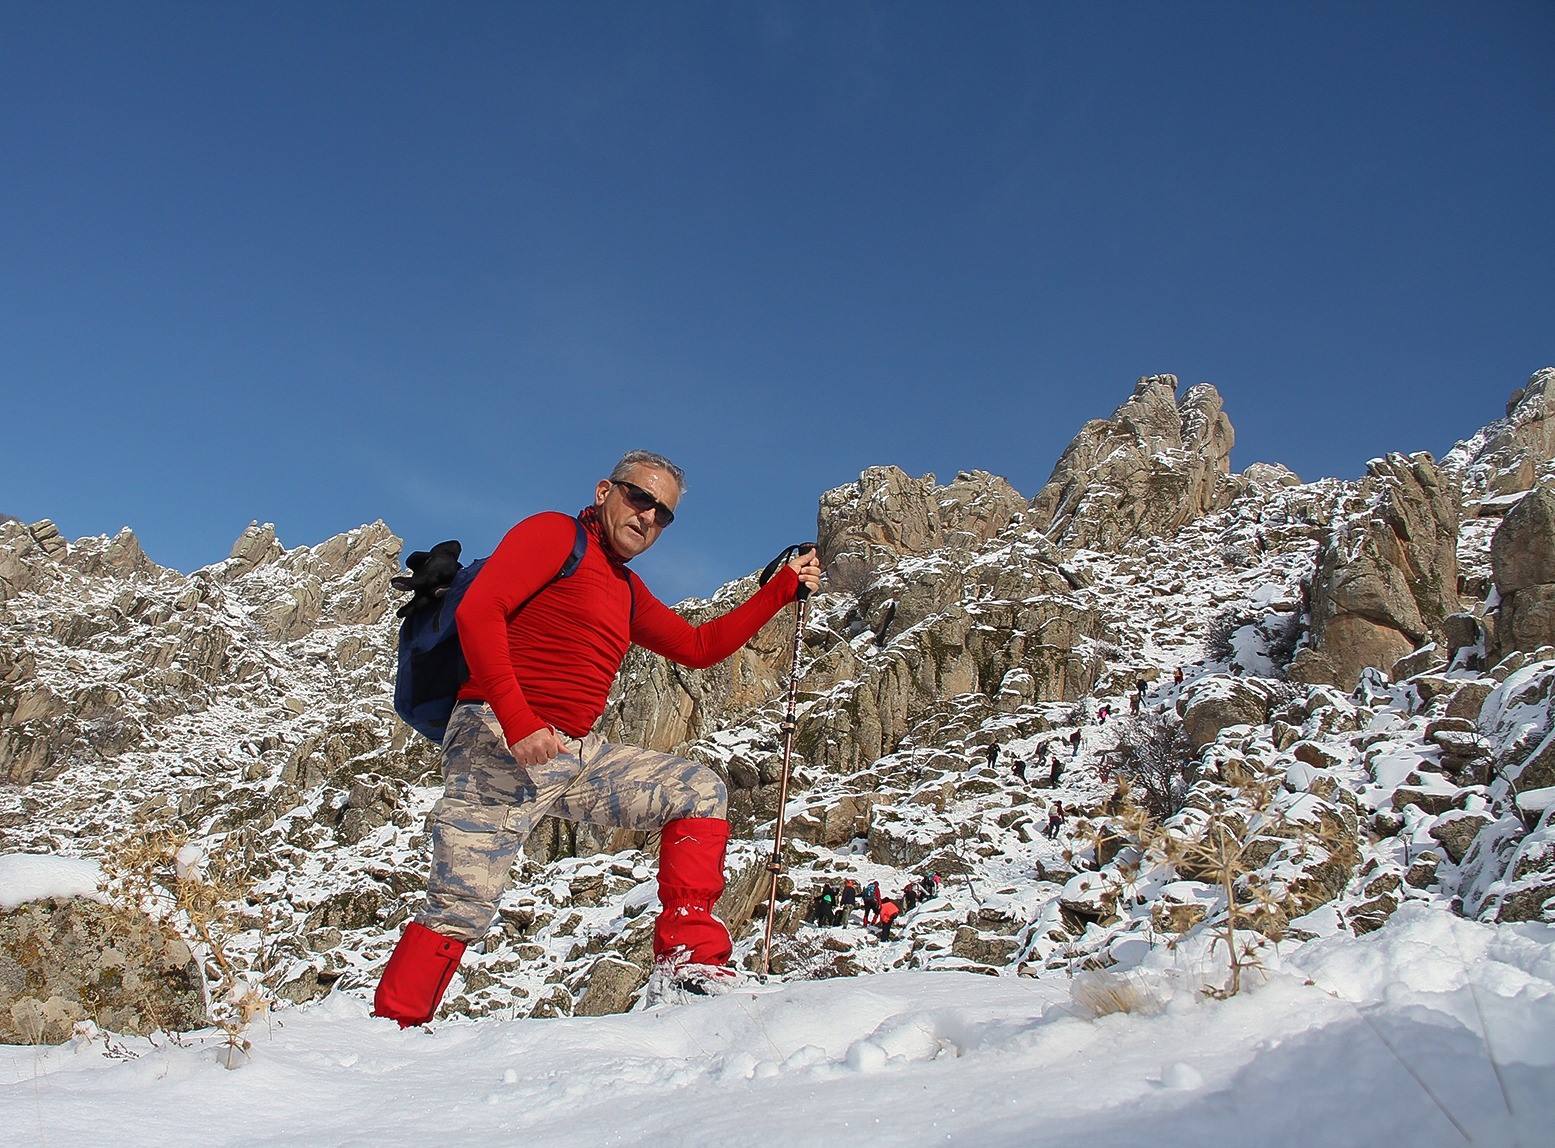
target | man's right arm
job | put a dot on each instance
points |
(524, 562)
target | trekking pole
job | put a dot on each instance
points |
(775, 865)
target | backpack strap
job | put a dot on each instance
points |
(580, 545)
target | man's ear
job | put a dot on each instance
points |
(601, 489)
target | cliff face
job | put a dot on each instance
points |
(248, 706)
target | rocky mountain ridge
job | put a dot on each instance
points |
(1366, 677)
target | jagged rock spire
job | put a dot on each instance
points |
(1155, 465)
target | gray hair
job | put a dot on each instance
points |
(647, 458)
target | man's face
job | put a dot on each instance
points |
(627, 530)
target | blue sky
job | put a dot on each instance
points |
(439, 264)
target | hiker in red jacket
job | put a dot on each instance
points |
(520, 744)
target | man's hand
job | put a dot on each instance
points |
(538, 748)
(808, 567)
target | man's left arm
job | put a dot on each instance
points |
(658, 628)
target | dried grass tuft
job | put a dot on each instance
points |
(1103, 993)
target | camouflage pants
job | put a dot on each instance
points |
(491, 804)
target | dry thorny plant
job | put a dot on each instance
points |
(197, 898)
(1218, 848)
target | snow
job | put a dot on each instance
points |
(1247, 646)
(1430, 1025)
(34, 876)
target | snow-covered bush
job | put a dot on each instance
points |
(1154, 753)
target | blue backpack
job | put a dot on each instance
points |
(431, 667)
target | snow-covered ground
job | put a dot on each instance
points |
(1433, 1030)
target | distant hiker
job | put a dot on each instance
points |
(1103, 714)
(824, 910)
(1074, 743)
(889, 911)
(871, 897)
(1141, 685)
(1104, 767)
(848, 900)
(1020, 769)
(993, 755)
(909, 896)
(1177, 676)
(1054, 771)
(1134, 702)
(1055, 820)
(543, 654)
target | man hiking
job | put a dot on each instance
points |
(543, 652)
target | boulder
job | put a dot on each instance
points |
(74, 959)
(1455, 832)
(982, 948)
(1316, 755)
(1183, 904)
(1468, 699)
(1530, 881)
(1089, 898)
(1522, 551)
(1527, 620)
(835, 821)
(1218, 701)
(612, 986)
(1421, 873)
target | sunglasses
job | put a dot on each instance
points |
(639, 499)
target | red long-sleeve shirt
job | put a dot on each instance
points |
(552, 662)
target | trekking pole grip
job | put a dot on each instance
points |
(777, 564)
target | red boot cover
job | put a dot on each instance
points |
(417, 975)
(691, 878)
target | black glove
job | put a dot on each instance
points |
(431, 573)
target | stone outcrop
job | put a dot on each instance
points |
(69, 960)
(1153, 466)
(153, 647)
(1271, 474)
(1522, 557)
(886, 515)
(29, 556)
(1512, 454)
(1386, 577)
